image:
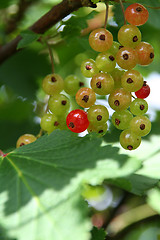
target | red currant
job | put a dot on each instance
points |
(143, 92)
(145, 53)
(136, 14)
(77, 121)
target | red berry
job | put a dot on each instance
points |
(136, 14)
(77, 121)
(143, 92)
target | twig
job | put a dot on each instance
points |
(52, 17)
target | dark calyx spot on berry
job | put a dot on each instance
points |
(142, 107)
(56, 123)
(102, 37)
(98, 84)
(85, 98)
(88, 67)
(64, 102)
(117, 121)
(135, 39)
(100, 131)
(116, 102)
(151, 55)
(139, 9)
(99, 117)
(129, 80)
(111, 58)
(53, 79)
(71, 125)
(144, 83)
(81, 84)
(125, 56)
(142, 126)
(130, 147)
(22, 144)
(121, 47)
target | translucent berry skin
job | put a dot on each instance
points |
(102, 83)
(52, 84)
(98, 115)
(85, 97)
(132, 80)
(114, 48)
(72, 84)
(145, 53)
(25, 139)
(119, 99)
(89, 68)
(140, 125)
(121, 120)
(127, 58)
(100, 40)
(59, 104)
(117, 75)
(129, 36)
(77, 121)
(105, 62)
(143, 92)
(139, 106)
(136, 14)
(49, 122)
(99, 129)
(129, 140)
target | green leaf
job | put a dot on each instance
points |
(151, 156)
(41, 185)
(75, 24)
(98, 234)
(28, 37)
(7, 3)
(21, 72)
(154, 199)
(16, 110)
(135, 183)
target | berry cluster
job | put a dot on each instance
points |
(111, 74)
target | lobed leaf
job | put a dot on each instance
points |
(41, 184)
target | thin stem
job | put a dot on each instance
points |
(51, 56)
(128, 218)
(106, 17)
(40, 133)
(123, 10)
(133, 96)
